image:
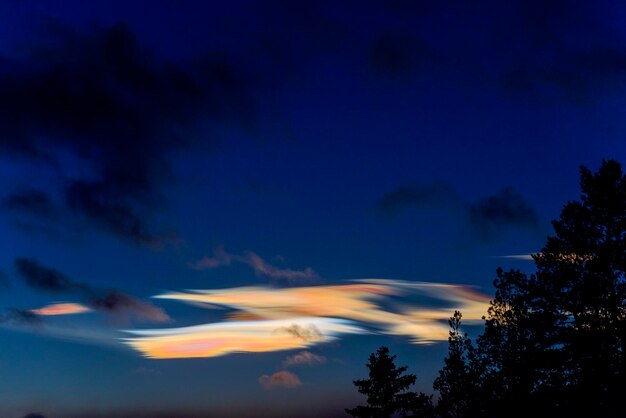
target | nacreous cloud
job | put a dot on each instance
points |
(212, 340)
(272, 319)
(61, 309)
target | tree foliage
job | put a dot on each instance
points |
(554, 342)
(387, 390)
(457, 381)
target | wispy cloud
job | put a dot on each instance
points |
(261, 267)
(220, 258)
(527, 257)
(61, 309)
(111, 301)
(282, 379)
(304, 358)
(300, 317)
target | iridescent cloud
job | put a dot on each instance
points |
(61, 309)
(271, 319)
(217, 339)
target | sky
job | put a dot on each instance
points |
(220, 209)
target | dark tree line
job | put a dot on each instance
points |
(554, 342)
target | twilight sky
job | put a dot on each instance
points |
(219, 209)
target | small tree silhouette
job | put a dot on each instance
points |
(457, 380)
(387, 390)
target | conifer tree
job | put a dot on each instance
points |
(387, 390)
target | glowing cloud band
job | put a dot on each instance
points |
(61, 309)
(211, 340)
(271, 319)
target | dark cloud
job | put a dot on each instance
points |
(20, 317)
(526, 48)
(31, 201)
(507, 207)
(416, 196)
(102, 114)
(34, 415)
(43, 278)
(110, 301)
(306, 333)
(113, 301)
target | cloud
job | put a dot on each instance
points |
(507, 207)
(282, 379)
(300, 317)
(99, 115)
(304, 358)
(561, 51)
(46, 279)
(526, 257)
(20, 317)
(220, 258)
(43, 278)
(115, 302)
(222, 338)
(61, 309)
(31, 201)
(416, 196)
(261, 267)
(504, 208)
(34, 415)
(306, 333)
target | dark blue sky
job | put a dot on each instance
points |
(155, 147)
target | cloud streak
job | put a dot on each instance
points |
(61, 309)
(301, 317)
(111, 301)
(304, 358)
(261, 267)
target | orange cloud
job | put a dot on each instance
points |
(61, 309)
(272, 319)
(281, 379)
(212, 340)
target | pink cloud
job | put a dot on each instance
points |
(281, 379)
(220, 258)
(304, 358)
(61, 309)
(261, 267)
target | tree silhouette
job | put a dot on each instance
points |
(457, 380)
(554, 342)
(581, 273)
(387, 390)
